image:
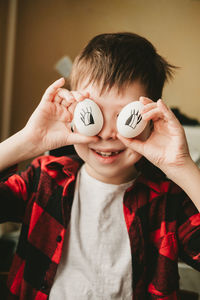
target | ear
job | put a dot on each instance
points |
(129, 121)
(88, 118)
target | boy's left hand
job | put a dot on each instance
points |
(166, 147)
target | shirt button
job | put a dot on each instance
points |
(44, 286)
(59, 239)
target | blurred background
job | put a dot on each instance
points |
(35, 35)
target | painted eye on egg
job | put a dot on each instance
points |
(129, 121)
(134, 119)
(88, 118)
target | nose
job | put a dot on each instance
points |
(108, 131)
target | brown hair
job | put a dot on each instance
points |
(119, 59)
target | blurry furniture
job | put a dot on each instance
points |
(193, 138)
(189, 279)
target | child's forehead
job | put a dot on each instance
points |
(114, 96)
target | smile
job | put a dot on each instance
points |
(107, 153)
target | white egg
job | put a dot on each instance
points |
(88, 118)
(129, 121)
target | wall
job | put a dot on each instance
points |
(49, 29)
(3, 19)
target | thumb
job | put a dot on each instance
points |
(77, 138)
(133, 143)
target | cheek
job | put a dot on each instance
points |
(131, 157)
(82, 151)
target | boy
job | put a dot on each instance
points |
(115, 227)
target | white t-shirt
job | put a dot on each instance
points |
(96, 257)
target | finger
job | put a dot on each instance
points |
(153, 114)
(64, 103)
(145, 100)
(156, 110)
(148, 107)
(169, 116)
(51, 91)
(80, 96)
(76, 138)
(58, 99)
(65, 96)
(68, 117)
(134, 144)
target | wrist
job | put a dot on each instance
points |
(31, 147)
(16, 149)
(188, 178)
(183, 174)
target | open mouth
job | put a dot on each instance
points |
(107, 153)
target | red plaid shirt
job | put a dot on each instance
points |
(163, 224)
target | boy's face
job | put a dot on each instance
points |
(109, 160)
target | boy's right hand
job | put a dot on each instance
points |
(49, 127)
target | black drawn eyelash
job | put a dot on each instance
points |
(86, 116)
(134, 119)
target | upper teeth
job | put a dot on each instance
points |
(107, 153)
